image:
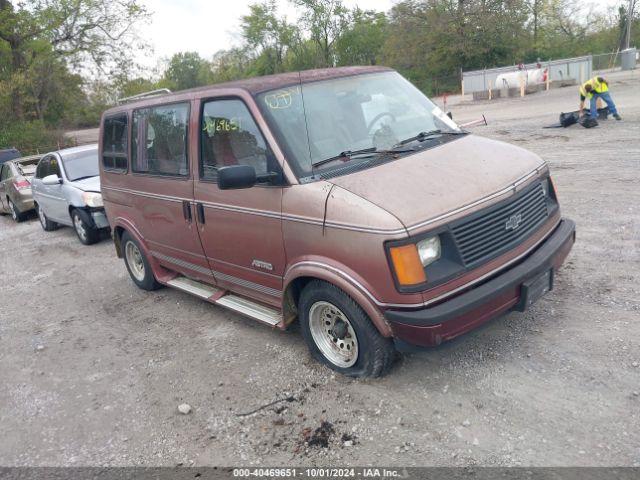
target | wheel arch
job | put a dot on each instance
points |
(299, 275)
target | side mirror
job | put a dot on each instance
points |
(236, 176)
(450, 115)
(51, 180)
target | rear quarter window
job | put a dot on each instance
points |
(114, 143)
(159, 140)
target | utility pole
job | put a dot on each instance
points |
(627, 39)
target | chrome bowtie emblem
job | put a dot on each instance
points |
(514, 222)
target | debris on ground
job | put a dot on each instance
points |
(320, 436)
(289, 399)
(184, 408)
(347, 440)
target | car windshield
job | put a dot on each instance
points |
(81, 165)
(321, 121)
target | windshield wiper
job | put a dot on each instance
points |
(422, 136)
(369, 152)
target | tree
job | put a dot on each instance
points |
(361, 42)
(268, 36)
(324, 20)
(82, 32)
(187, 70)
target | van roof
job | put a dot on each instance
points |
(256, 85)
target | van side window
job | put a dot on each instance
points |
(230, 136)
(114, 141)
(159, 140)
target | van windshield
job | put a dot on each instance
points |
(320, 121)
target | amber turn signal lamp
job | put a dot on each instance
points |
(407, 265)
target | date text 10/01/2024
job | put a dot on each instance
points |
(317, 472)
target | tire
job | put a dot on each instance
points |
(16, 214)
(46, 224)
(137, 264)
(334, 326)
(84, 227)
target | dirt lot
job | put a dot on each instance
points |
(92, 369)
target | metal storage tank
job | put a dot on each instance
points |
(628, 58)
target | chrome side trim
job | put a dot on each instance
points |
(431, 300)
(248, 211)
(153, 242)
(251, 309)
(218, 275)
(193, 287)
(182, 263)
(156, 196)
(247, 284)
(340, 226)
(252, 270)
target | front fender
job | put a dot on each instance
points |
(341, 277)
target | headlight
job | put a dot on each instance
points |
(545, 186)
(429, 250)
(409, 260)
(92, 199)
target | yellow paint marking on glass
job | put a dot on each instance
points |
(281, 98)
(216, 125)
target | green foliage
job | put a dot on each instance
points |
(187, 70)
(44, 43)
(361, 41)
(31, 137)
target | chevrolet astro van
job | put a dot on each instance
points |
(343, 198)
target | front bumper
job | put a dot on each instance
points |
(510, 290)
(99, 219)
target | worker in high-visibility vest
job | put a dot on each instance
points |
(593, 89)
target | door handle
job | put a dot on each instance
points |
(186, 211)
(200, 213)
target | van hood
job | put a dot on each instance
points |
(433, 182)
(91, 184)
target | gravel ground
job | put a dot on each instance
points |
(93, 370)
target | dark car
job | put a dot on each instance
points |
(8, 154)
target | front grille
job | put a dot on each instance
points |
(499, 228)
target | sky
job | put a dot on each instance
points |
(206, 26)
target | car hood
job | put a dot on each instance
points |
(433, 182)
(91, 184)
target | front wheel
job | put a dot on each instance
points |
(137, 264)
(339, 333)
(87, 233)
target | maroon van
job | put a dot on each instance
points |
(343, 198)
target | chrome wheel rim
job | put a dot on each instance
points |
(79, 226)
(41, 216)
(134, 260)
(14, 213)
(333, 334)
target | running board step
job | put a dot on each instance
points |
(193, 287)
(238, 304)
(251, 309)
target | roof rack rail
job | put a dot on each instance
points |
(152, 93)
